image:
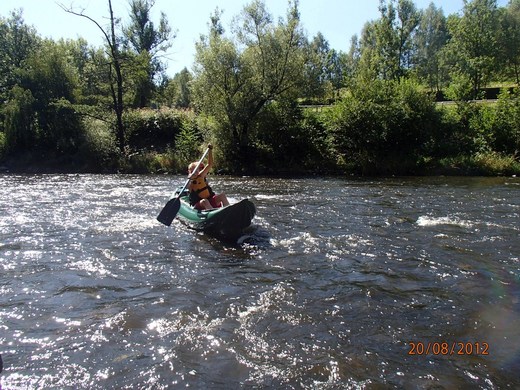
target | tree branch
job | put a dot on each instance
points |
(81, 13)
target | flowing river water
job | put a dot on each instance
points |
(340, 283)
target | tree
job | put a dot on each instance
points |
(114, 68)
(38, 112)
(473, 45)
(382, 126)
(316, 67)
(182, 80)
(386, 43)
(386, 49)
(324, 69)
(19, 124)
(351, 60)
(17, 42)
(176, 91)
(146, 41)
(53, 82)
(364, 57)
(236, 79)
(431, 37)
(394, 33)
(509, 39)
(407, 20)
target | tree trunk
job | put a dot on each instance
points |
(118, 94)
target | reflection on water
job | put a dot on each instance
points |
(330, 288)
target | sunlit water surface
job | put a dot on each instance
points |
(336, 284)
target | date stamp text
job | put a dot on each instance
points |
(445, 348)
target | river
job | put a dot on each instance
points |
(340, 283)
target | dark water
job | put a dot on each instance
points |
(339, 281)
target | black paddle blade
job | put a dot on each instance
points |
(168, 213)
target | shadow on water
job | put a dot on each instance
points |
(254, 240)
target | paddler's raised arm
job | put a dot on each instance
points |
(208, 167)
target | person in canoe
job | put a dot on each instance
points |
(202, 196)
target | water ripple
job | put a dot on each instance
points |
(95, 293)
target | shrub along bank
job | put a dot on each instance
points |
(385, 128)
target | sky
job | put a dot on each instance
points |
(337, 20)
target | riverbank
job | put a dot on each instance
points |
(490, 164)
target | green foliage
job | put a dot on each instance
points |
(187, 143)
(292, 138)
(99, 150)
(17, 42)
(176, 92)
(506, 128)
(20, 128)
(382, 122)
(3, 145)
(237, 78)
(155, 129)
(480, 135)
(483, 164)
(461, 88)
(323, 70)
(53, 84)
(509, 40)
(65, 100)
(430, 39)
(472, 49)
(387, 44)
(146, 41)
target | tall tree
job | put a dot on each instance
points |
(351, 60)
(237, 78)
(114, 68)
(431, 37)
(473, 43)
(386, 45)
(183, 79)
(53, 81)
(324, 69)
(407, 20)
(365, 56)
(146, 41)
(17, 42)
(317, 67)
(509, 39)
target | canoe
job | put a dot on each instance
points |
(226, 223)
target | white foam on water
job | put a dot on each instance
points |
(448, 220)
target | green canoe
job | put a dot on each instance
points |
(225, 223)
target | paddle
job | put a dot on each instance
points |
(168, 213)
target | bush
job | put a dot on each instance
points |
(187, 144)
(381, 126)
(99, 149)
(3, 146)
(149, 162)
(154, 129)
(507, 124)
(20, 129)
(488, 164)
(287, 139)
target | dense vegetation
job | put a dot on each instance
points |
(271, 99)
